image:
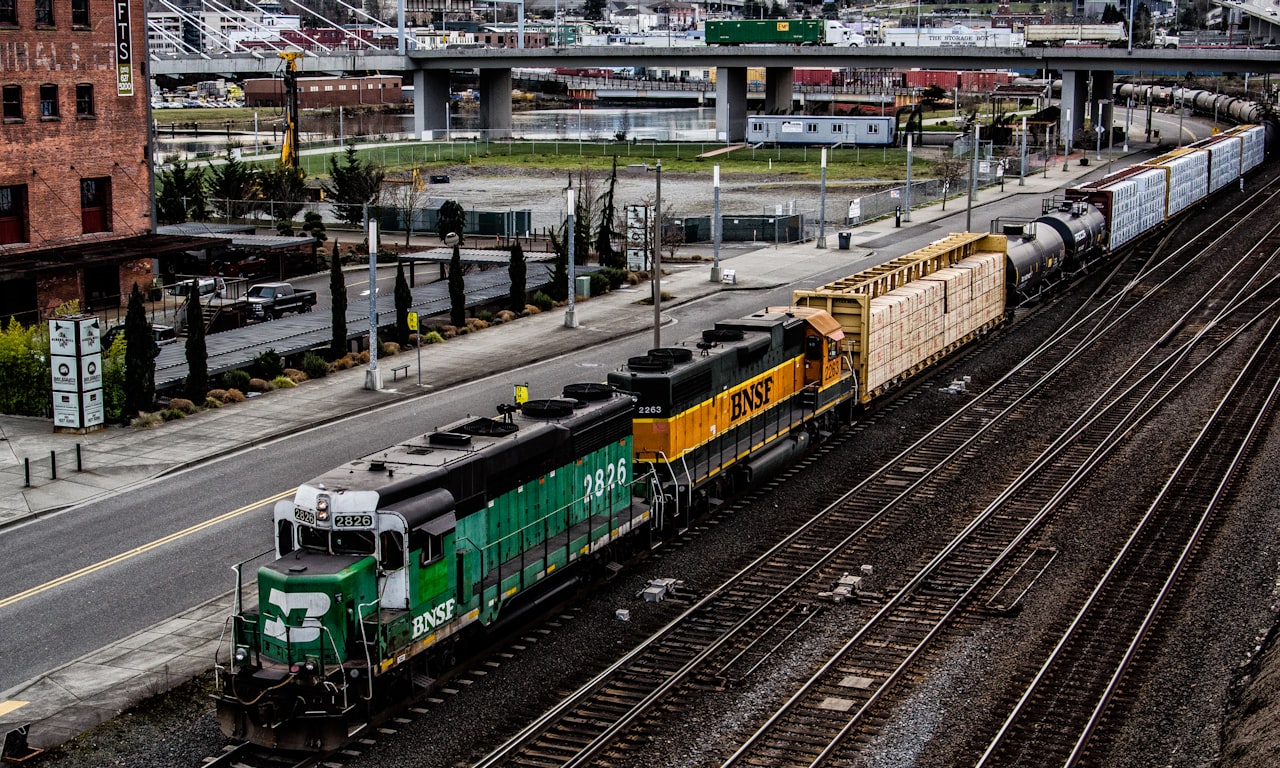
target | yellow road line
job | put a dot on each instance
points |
(123, 556)
(8, 706)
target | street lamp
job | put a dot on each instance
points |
(1128, 112)
(1066, 143)
(822, 204)
(715, 224)
(908, 200)
(657, 259)
(570, 314)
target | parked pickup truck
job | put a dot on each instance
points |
(271, 300)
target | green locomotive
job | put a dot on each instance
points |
(385, 563)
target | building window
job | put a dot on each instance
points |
(79, 13)
(44, 13)
(13, 214)
(48, 100)
(837, 128)
(95, 204)
(84, 100)
(811, 127)
(12, 102)
(8, 13)
(873, 128)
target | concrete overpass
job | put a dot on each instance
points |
(1084, 71)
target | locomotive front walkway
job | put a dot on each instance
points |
(75, 697)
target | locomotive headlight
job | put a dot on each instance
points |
(310, 665)
(242, 654)
(322, 507)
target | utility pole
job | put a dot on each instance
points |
(657, 260)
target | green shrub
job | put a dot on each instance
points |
(616, 277)
(270, 364)
(314, 366)
(24, 370)
(283, 382)
(182, 404)
(236, 379)
(212, 402)
(542, 301)
(433, 338)
(172, 414)
(599, 284)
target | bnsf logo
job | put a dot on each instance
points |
(751, 398)
(433, 618)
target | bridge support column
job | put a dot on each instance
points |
(1075, 96)
(779, 86)
(430, 100)
(495, 102)
(731, 104)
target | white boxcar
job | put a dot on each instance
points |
(1188, 177)
(799, 129)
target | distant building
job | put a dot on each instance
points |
(316, 92)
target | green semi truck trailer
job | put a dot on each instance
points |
(781, 31)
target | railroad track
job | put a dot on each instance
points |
(847, 694)
(739, 618)
(1061, 709)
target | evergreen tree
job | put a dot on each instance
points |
(518, 272)
(233, 186)
(283, 189)
(338, 293)
(313, 225)
(457, 293)
(559, 288)
(451, 218)
(197, 385)
(353, 185)
(605, 233)
(404, 297)
(180, 194)
(140, 357)
(581, 230)
(593, 10)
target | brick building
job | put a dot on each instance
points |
(318, 92)
(75, 181)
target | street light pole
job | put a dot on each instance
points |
(1022, 158)
(570, 314)
(822, 204)
(1128, 112)
(908, 200)
(373, 376)
(1066, 143)
(715, 224)
(973, 179)
(657, 259)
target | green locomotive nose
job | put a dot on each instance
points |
(309, 605)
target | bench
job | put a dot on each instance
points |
(397, 370)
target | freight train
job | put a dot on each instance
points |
(782, 31)
(387, 566)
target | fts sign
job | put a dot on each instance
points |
(124, 49)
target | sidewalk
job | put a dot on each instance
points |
(75, 697)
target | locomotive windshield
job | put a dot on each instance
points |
(336, 542)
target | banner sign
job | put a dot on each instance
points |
(124, 49)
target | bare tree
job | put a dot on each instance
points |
(407, 195)
(949, 170)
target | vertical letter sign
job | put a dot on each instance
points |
(124, 49)
(75, 361)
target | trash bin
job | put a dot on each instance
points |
(844, 238)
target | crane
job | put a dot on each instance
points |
(289, 148)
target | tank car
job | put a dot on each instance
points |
(1081, 228)
(1033, 259)
(385, 563)
(724, 408)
